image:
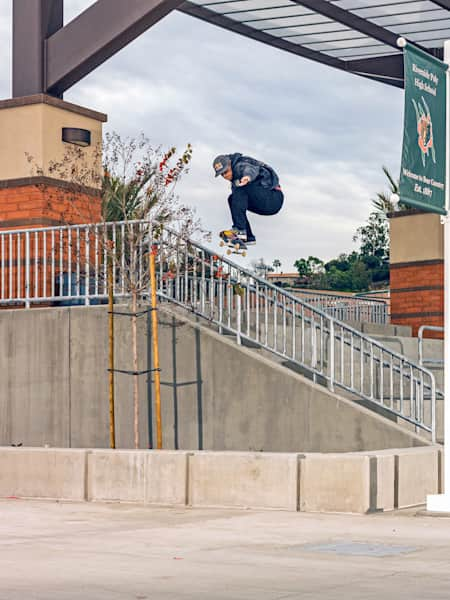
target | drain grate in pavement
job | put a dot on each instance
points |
(358, 549)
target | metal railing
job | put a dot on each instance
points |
(420, 340)
(67, 265)
(347, 308)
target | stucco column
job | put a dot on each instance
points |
(416, 269)
(37, 185)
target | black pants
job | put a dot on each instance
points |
(254, 198)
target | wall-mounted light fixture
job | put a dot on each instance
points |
(79, 137)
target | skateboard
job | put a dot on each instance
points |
(234, 244)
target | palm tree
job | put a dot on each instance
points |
(276, 264)
(383, 203)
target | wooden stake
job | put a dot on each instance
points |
(156, 372)
(112, 432)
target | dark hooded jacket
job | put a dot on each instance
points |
(245, 166)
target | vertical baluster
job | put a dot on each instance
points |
(294, 306)
(203, 290)
(44, 265)
(120, 258)
(248, 307)
(238, 310)
(104, 266)
(61, 263)
(302, 318)
(186, 274)
(266, 316)
(371, 372)
(391, 380)
(352, 361)
(331, 369)
(36, 266)
(229, 297)
(220, 283)
(284, 325)
(3, 293)
(113, 252)
(69, 260)
(212, 296)
(87, 265)
(257, 311)
(275, 320)
(78, 261)
(96, 260)
(361, 359)
(11, 263)
(401, 386)
(381, 377)
(194, 277)
(19, 265)
(27, 269)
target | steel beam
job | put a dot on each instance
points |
(95, 35)
(33, 22)
(442, 3)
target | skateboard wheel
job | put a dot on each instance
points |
(228, 252)
(236, 246)
(221, 244)
(244, 253)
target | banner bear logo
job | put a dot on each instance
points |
(424, 130)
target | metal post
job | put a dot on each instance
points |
(441, 502)
(112, 433)
(155, 349)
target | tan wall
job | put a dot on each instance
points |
(416, 237)
(36, 129)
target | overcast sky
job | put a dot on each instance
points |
(327, 133)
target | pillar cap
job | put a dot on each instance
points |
(53, 101)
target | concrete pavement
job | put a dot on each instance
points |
(66, 551)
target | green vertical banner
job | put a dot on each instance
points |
(422, 175)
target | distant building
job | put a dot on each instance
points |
(285, 279)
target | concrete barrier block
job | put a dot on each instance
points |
(166, 477)
(117, 475)
(335, 483)
(243, 479)
(416, 475)
(382, 480)
(43, 473)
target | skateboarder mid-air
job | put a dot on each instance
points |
(255, 187)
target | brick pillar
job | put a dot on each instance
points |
(417, 270)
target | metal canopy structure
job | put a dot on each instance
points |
(358, 36)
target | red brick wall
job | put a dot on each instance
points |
(44, 205)
(417, 294)
(32, 205)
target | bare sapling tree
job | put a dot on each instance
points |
(139, 192)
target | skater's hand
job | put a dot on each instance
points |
(244, 180)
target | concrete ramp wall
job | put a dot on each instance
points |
(215, 394)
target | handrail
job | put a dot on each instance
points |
(431, 361)
(66, 265)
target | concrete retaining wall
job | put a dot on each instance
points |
(215, 395)
(348, 482)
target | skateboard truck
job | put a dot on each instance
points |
(234, 244)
